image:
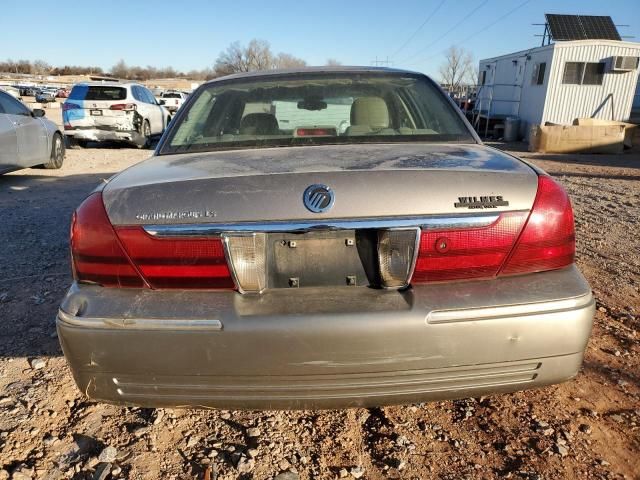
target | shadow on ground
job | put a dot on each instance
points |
(35, 272)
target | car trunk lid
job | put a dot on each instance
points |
(368, 181)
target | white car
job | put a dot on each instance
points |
(107, 111)
(27, 138)
(173, 100)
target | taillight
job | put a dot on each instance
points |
(548, 239)
(96, 253)
(123, 106)
(517, 242)
(123, 256)
(177, 262)
(66, 106)
(467, 253)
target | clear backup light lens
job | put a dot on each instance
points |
(396, 252)
(247, 258)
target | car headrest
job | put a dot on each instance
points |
(259, 124)
(371, 111)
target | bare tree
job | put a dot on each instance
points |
(236, 58)
(286, 60)
(332, 62)
(457, 69)
(257, 55)
(120, 70)
(40, 67)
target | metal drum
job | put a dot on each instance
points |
(511, 129)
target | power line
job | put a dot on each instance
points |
(419, 28)
(499, 19)
(468, 15)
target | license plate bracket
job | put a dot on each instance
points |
(96, 113)
(317, 259)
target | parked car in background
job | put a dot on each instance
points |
(28, 91)
(99, 111)
(45, 95)
(157, 92)
(27, 138)
(261, 259)
(14, 92)
(173, 100)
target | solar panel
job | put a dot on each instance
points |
(565, 27)
(581, 27)
(599, 27)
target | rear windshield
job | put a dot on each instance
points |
(171, 95)
(316, 108)
(98, 92)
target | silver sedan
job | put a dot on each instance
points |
(27, 139)
(323, 238)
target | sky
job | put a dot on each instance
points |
(190, 34)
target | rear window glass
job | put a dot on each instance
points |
(98, 92)
(316, 108)
(171, 95)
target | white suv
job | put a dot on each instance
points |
(100, 111)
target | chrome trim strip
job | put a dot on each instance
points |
(189, 324)
(490, 313)
(300, 226)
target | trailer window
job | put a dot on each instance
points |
(593, 74)
(538, 73)
(581, 73)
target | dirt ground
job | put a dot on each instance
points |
(586, 428)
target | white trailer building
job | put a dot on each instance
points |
(556, 83)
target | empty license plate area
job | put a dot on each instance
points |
(321, 259)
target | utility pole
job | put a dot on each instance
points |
(381, 63)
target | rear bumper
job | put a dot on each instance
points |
(326, 348)
(104, 134)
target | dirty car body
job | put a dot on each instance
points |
(323, 238)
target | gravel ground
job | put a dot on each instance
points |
(586, 428)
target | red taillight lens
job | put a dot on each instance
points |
(70, 106)
(468, 253)
(123, 106)
(122, 257)
(177, 263)
(517, 242)
(96, 253)
(548, 239)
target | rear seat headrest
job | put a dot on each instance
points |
(371, 111)
(259, 124)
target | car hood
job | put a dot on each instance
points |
(267, 184)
